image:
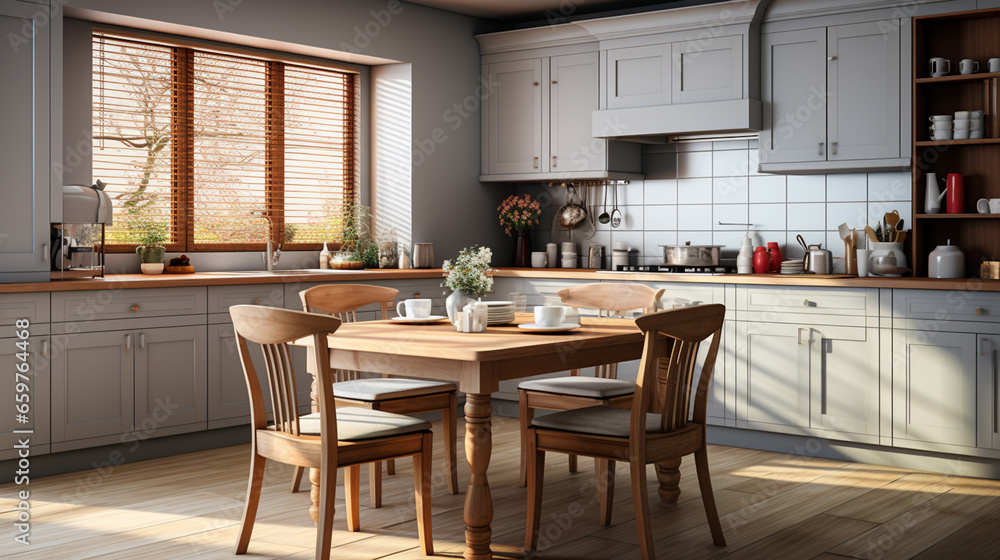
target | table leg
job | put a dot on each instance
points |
(314, 494)
(669, 475)
(478, 501)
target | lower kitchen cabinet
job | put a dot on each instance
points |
(37, 399)
(113, 386)
(989, 392)
(808, 379)
(934, 389)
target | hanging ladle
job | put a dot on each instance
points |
(605, 217)
(616, 215)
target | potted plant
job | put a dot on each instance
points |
(151, 249)
(469, 275)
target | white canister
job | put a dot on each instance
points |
(946, 261)
(744, 261)
(552, 250)
(619, 257)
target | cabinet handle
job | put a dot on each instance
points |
(128, 342)
(807, 303)
(553, 161)
(45, 252)
(536, 83)
(831, 58)
(980, 311)
(833, 148)
(820, 149)
(535, 159)
(135, 307)
(808, 338)
(142, 341)
(45, 347)
(993, 370)
(555, 81)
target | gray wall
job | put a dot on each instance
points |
(449, 206)
(690, 188)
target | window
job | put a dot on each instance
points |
(208, 147)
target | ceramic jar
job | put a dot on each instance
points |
(761, 260)
(946, 261)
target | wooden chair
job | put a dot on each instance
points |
(568, 393)
(325, 440)
(637, 435)
(400, 396)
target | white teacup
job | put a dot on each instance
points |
(414, 308)
(549, 315)
(983, 206)
(995, 206)
(961, 135)
(934, 118)
(963, 124)
(968, 66)
(960, 115)
(941, 135)
(993, 65)
(939, 66)
(539, 259)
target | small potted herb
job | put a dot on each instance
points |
(151, 249)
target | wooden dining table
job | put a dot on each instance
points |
(477, 362)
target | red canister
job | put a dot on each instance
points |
(776, 256)
(956, 193)
(761, 260)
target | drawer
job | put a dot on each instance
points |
(128, 304)
(853, 302)
(34, 307)
(221, 298)
(946, 305)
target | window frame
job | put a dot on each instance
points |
(182, 165)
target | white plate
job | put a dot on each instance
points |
(496, 303)
(558, 328)
(427, 319)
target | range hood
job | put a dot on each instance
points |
(714, 84)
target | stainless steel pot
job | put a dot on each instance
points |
(691, 255)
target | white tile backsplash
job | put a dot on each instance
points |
(691, 187)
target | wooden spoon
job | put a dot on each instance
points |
(871, 234)
(900, 236)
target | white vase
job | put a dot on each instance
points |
(454, 303)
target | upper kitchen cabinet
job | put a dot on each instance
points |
(537, 121)
(24, 145)
(832, 99)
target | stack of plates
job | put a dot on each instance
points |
(500, 312)
(793, 266)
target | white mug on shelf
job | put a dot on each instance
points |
(539, 259)
(968, 66)
(863, 255)
(995, 206)
(993, 65)
(983, 206)
(939, 67)
(414, 308)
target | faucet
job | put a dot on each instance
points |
(270, 258)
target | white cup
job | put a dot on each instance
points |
(962, 124)
(863, 255)
(549, 315)
(995, 206)
(976, 114)
(961, 135)
(552, 251)
(941, 135)
(941, 118)
(569, 260)
(983, 206)
(540, 260)
(960, 115)
(993, 65)
(968, 66)
(568, 247)
(414, 308)
(976, 134)
(939, 66)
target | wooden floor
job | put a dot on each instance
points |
(773, 506)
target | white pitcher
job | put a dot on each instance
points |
(933, 196)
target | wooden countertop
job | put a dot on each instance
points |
(127, 281)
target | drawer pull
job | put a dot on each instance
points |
(416, 295)
(808, 303)
(128, 342)
(980, 311)
(45, 347)
(535, 83)
(142, 341)
(135, 307)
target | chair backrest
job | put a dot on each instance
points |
(273, 329)
(668, 362)
(343, 301)
(612, 300)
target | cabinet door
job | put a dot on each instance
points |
(715, 402)
(92, 379)
(514, 118)
(844, 375)
(170, 378)
(989, 392)
(573, 96)
(774, 377)
(795, 96)
(228, 397)
(24, 152)
(864, 91)
(934, 387)
(708, 70)
(37, 399)
(639, 76)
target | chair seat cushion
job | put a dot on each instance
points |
(580, 386)
(380, 388)
(597, 420)
(364, 423)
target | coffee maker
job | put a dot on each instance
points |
(78, 241)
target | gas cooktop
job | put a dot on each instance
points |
(672, 269)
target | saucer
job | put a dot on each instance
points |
(558, 328)
(418, 320)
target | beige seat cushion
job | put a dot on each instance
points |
(381, 389)
(364, 423)
(597, 420)
(581, 386)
